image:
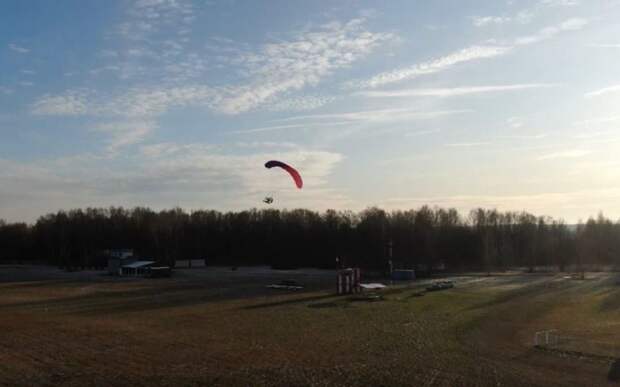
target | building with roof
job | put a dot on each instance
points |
(117, 259)
(137, 268)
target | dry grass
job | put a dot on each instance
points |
(227, 330)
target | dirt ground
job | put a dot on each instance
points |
(213, 326)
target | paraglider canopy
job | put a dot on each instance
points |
(292, 171)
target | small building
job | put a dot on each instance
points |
(137, 268)
(117, 259)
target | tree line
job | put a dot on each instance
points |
(424, 239)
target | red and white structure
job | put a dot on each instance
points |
(348, 281)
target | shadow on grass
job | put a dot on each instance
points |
(611, 302)
(530, 288)
(158, 295)
(614, 371)
(323, 305)
(289, 302)
(419, 293)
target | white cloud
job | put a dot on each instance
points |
(589, 135)
(465, 55)
(302, 61)
(514, 122)
(268, 75)
(108, 53)
(451, 92)
(525, 16)
(434, 66)
(603, 91)
(605, 45)
(124, 133)
(560, 3)
(481, 21)
(99, 70)
(598, 120)
(421, 132)
(382, 115)
(573, 24)
(18, 49)
(135, 102)
(269, 128)
(306, 125)
(151, 16)
(568, 154)
(27, 72)
(189, 175)
(570, 205)
(71, 103)
(467, 144)
(6, 90)
(196, 166)
(267, 144)
(526, 136)
(297, 104)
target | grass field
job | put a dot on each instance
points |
(211, 326)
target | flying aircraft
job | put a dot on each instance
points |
(291, 171)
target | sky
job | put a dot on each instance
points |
(501, 104)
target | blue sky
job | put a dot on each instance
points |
(162, 103)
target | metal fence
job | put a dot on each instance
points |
(574, 345)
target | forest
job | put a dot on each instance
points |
(425, 239)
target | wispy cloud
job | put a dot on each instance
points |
(451, 92)
(514, 122)
(269, 128)
(481, 21)
(573, 24)
(605, 45)
(524, 16)
(603, 91)
(72, 103)
(589, 135)
(567, 154)
(134, 102)
(433, 66)
(421, 132)
(267, 144)
(465, 55)
(526, 136)
(560, 3)
(598, 120)
(298, 104)
(467, 144)
(307, 125)
(170, 173)
(19, 49)
(124, 133)
(304, 60)
(381, 115)
(267, 76)
(570, 205)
